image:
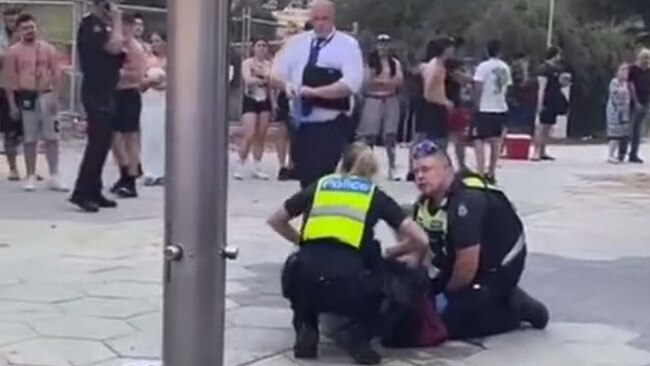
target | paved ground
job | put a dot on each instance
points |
(85, 290)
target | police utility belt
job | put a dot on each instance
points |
(315, 77)
(437, 228)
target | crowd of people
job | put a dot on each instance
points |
(461, 249)
(123, 94)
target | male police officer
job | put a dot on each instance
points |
(336, 267)
(101, 57)
(479, 249)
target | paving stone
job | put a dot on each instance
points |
(82, 327)
(258, 317)
(233, 287)
(12, 333)
(138, 345)
(107, 308)
(590, 333)
(148, 322)
(612, 354)
(57, 352)
(244, 345)
(39, 293)
(448, 352)
(127, 290)
(17, 311)
(4, 282)
(129, 362)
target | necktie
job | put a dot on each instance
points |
(316, 46)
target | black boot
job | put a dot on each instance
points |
(306, 346)
(532, 310)
(363, 354)
(124, 174)
(128, 189)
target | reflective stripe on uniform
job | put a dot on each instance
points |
(343, 211)
(515, 251)
(478, 183)
(339, 210)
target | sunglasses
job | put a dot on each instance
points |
(424, 149)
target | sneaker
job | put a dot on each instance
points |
(13, 176)
(636, 160)
(613, 160)
(491, 179)
(149, 181)
(259, 174)
(392, 176)
(306, 346)
(55, 184)
(30, 184)
(240, 170)
(128, 189)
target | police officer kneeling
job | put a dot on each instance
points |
(336, 267)
(479, 250)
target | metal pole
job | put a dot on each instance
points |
(197, 165)
(551, 22)
(74, 72)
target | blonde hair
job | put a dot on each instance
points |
(359, 160)
(643, 53)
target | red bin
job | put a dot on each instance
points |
(518, 146)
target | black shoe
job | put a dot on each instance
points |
(293, 174)
(140, 171)
(306, 346)
(128, 190)
(532, 310)
(547, 158)
(124, 174)
(104, 202)
(491, 179)
(84, 203)
(410, 177)
(363, 354)
(636, 160)
(284, 174)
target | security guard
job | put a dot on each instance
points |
(336, 267)
(478, 250)
(101, 57)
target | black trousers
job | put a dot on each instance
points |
(312, 291)
(100, 111)
(486, 309)
(319, 147)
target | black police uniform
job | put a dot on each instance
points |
(101, 73)
(327, 276)
(492, 303)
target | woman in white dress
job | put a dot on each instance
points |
(153, 113)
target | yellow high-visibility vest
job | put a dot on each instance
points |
(339, 210)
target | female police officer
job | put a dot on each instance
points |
(335, 269)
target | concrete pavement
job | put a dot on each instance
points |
(83, 290)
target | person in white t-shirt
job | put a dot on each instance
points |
(491, 82)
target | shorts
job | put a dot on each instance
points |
(548, 117)
(40, 122)
(128, 107)
(488, 125)
(432, 121)
(8, 126)
(250, 105)
(282, 113)
(380, 115)
(458, 120)
(521, 119)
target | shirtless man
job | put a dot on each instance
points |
(128, 99)
(433, 113)
(438, 104)
(10, 129)
(34, 78)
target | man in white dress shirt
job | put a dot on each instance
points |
(320, 70)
